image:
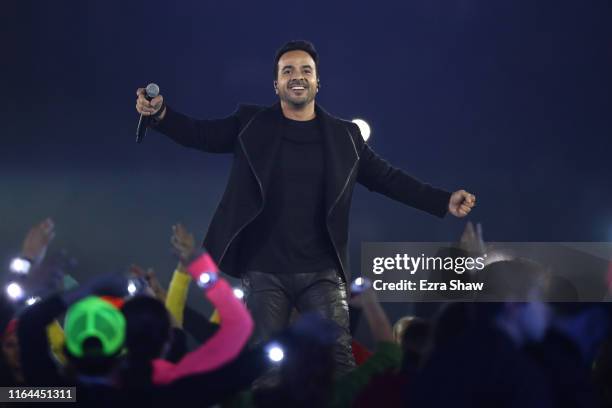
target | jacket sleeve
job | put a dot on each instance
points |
(214, 317)
(378, 175)
(225, 345)
(196, 324)
(178, 346)
(177, 295)
(222, 384)
(187, 318)
(208, 135)
(55, 333)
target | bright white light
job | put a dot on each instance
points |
(19, 265)
(14, 291)
(496, 256)
(364, 128)
(204, 278)
(32, 300)
(276, 354)
(359, 281)
(239, 293)
(131, 288)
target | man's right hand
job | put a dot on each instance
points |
(148, 108)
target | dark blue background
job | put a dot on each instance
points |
(511, 100)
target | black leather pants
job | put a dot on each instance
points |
(271, 297)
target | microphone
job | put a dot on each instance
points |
(151, 91)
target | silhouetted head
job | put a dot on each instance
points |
(586, 324)
(415, 340)
(147, 337)
(453, 320)
(308, 367)
(513, 298)
(147, 327)
(94, 336)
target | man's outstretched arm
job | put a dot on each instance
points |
(376, 174)
(209, 135)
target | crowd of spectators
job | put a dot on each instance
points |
(123, 339)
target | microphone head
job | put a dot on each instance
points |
(152, 90)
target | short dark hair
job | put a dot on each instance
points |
(94, 362)
(147, 327)
(293, 45)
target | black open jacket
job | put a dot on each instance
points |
(253, 134)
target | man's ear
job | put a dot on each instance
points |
(318, 84)
(276, 87)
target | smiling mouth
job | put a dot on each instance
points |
(297, 88)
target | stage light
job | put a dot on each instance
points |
(359, 285)
(275, 353)
(239, 293)
(20, 266)
(207, 279)
(14, 291)
(363, 127)
(131, 288)
(136, 285)
(31, 300)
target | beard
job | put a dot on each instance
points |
(287, 95)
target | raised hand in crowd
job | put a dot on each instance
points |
(50, 275)
(36, 241)
(46, 273)
(156, 289)
(471, 239)
(183, 245)
(374, 314)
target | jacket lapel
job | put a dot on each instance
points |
(340, 156)
(261, 142)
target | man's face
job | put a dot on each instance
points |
(296, 80)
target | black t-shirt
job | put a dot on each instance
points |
(290, 235)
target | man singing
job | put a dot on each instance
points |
(282, 223)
